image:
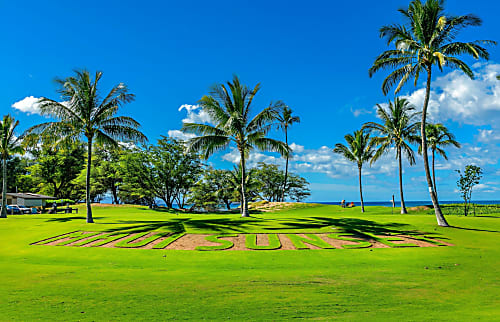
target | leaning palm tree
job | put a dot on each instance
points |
(84, 112)
(9, 144)
(359, 150)
(438, 137)
(426, 40)
(398, 127)
(285, 120)
(229, 109)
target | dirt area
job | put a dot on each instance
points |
(191, 241)
(266, 206)
(419, 208)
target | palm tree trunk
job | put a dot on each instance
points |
(286, 167)
(244, 203)
(434, 176)
(87, 181)
(4, 188)
(361, 191)
(403, 207)
(439, 215)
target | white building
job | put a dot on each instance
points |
(27, 199)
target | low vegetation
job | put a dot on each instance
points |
(96, 283)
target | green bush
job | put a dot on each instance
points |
(458, 209)
(60, 202)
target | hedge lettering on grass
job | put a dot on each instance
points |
(388, 241)
(224, 244)
(74, 236)
(103, 239)
(273, 242)
(169, 240)
(359, 242)
(129, 242)
(161, 240)
(300, 242)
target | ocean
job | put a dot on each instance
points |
(411, 203)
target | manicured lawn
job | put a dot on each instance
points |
(460, 282)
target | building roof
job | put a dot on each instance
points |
(29, 195)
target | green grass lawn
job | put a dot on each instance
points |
(460, 282)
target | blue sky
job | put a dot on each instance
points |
(315, 56)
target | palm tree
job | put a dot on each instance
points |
(398, 127)
(9, 144)
(84, 112)
(438, 136)
(359, 150)
(426, 40)
(229, 109)
(285, 120)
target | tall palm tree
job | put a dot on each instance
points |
(398, 127)
(9, 144)
(84, 112)
(438, 137)
(229, 109)
(426, 40)
(359, 150)
(285, 120)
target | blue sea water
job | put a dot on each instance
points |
(412, 203)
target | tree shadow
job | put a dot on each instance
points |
(475, 229)
(193, 212)
(66, 219)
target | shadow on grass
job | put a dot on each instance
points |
(66, 219)
(475, 229)
(186, 211)
(252, 224)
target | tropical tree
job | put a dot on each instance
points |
(230, 111)
(83, 112)
(359, 149)
(398, 126)
(9, 144)
(426, 40)
(438, 137)
(285, 120)
(56, 167)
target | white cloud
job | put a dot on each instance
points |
(195, 114)
(297, 148)
(28, 105)
(253, 158)
(456, 97)
(322, 160)
(468, 154)
(360, 111)
(179, 135)
(488, 136)
(483, 187)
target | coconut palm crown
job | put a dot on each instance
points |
(229, 107)
(398, 127)
(438, 137)
(83, 112)
(359, 149)
(9, 144)
(426, 40)
(285, 120)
